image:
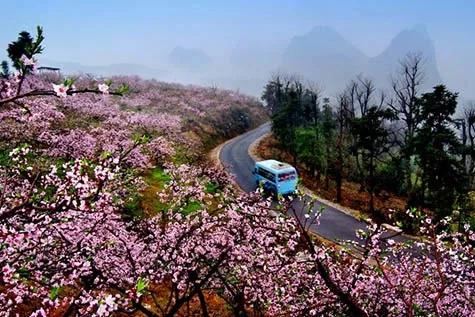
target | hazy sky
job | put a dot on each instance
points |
(114, 31)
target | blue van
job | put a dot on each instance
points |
(276, 177)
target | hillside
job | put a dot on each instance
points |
(191, 117)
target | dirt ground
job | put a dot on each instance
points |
(387, 205)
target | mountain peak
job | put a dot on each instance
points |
(410, 40)
(323, 55)
(323, 29)
(319, 42)
(325, 38)
(421, 29)
(413, 40)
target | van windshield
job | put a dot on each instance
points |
(287, 176)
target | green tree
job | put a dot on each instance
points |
(273, 94)
(342, 133)
(285, 119)
(5, 72)
(329, 133)
(372, 141)
(25, 45)
(310, 146)
(290, 101)
(310, 143)
(360, 95)
(438, 152)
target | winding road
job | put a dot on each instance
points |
(334, 224)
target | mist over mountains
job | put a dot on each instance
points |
(189, 59)
(324, 56)
(105, 70)
(320, 55)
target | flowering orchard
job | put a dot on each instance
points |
(73, 152)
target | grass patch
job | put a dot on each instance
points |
(160, 207)
(211, 188)
(149, 203)
(4, 157)
(132, 206)
(156, 180)
(182, 156)
(191, 207)
(158, 177)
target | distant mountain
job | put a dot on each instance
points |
(324, 56)
(321, 55)
(415, 40)
(189, 59)
(256, 58)
(106, 70)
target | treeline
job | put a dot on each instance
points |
(406, 142)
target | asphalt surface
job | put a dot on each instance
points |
(334, 224)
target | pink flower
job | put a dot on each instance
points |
(27, 61)
(39, 313)
(110, 301)
(61, 90)
(6, 270)
(104, 88)
(17, 77)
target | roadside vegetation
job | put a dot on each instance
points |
(106, 209)
(381, 152)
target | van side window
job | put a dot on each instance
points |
(286, 176)
(266, 174)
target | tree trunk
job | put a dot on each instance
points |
(371, 185)
(239, 309)
(371, 202)
(327, 159)
(312, 170)
(338, 180)
(204, 308)
(409, 187)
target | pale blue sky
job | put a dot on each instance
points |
(113, 31)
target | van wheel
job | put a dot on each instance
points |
(271, 190)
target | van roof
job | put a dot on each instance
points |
(275, 166)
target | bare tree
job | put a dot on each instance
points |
(360, 96)
(405, 87)
(467, 128)
(343, 115)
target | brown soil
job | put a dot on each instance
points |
(387, 204)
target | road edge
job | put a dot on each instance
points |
(215, 160)
(252, 151)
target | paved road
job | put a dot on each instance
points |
(234, 156)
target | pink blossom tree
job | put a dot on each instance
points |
(67, 246)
